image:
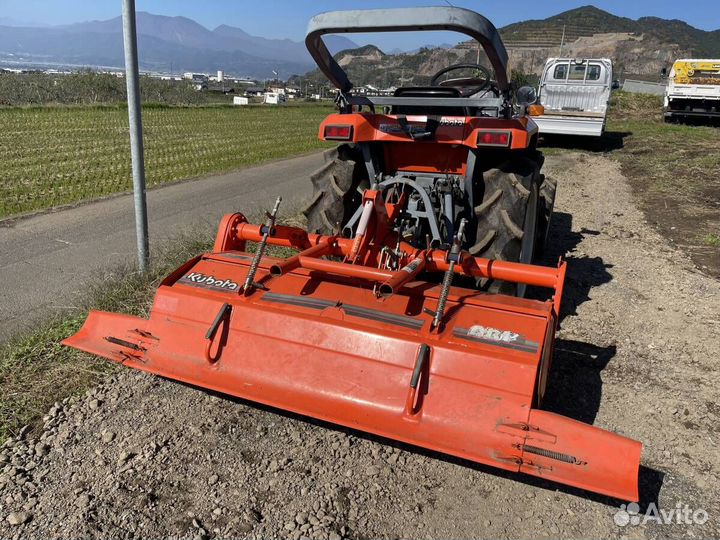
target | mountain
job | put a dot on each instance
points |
(643, 47)
(398, 50)
(163, 42)
(9, 21)
(588, 20)
(639, 46)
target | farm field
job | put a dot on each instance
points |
(672, 169)
(54, 155)
(62, 155)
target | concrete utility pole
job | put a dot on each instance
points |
(132, 77)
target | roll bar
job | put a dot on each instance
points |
(398, 20)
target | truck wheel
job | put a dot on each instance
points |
(507, 217)
(335, 189)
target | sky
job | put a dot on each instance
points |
(288, 18)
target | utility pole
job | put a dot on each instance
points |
(132, 78)
(562, 41)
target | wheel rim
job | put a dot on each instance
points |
(527, 248)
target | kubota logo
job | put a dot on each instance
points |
(210, 282)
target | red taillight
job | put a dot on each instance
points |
(493, 138)
(338, 133)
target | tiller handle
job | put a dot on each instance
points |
(223, 315)
(412, 404)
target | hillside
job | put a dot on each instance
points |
(370, 66)
(642, 46)
(589, 20)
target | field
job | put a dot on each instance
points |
(672, 168)
(62, 155)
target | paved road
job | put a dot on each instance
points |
(46, 260)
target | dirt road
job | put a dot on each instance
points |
(61, 251)
(637, 354)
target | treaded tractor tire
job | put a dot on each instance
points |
(508, 213)
(548, 189)
(335, 189)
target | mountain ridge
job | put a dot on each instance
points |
(639, 46)
(165, 41)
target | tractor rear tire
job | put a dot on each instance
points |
(548, 189)
(508, 216)
(335, 189)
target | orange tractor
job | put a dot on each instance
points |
(363, 326)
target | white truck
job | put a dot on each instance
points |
(574, 93)
(274, 98)
(693, 90)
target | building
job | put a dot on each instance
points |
(254, 91)
(195, 77)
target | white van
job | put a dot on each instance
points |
(575, 93)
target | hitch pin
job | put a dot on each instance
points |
(269, 225)
(453, 258)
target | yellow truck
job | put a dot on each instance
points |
(693, 90)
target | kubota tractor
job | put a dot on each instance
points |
(363, 325)
(461, 147)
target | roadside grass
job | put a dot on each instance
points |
(627, 105)
(674, 170)
(674, 160)
(53, 156)
(36, 371)
(712, 240)
(679, 161)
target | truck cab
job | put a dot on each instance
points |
(575, 93)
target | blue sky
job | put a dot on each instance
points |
(288, 18)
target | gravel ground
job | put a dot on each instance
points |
(637, 354)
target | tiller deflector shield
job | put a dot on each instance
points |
(322, 338)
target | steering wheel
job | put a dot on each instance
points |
(466, 85)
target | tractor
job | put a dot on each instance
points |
(401, 309)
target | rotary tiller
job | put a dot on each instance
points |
(363, 326)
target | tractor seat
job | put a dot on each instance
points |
(430, 92)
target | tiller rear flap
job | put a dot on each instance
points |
(346, 330)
